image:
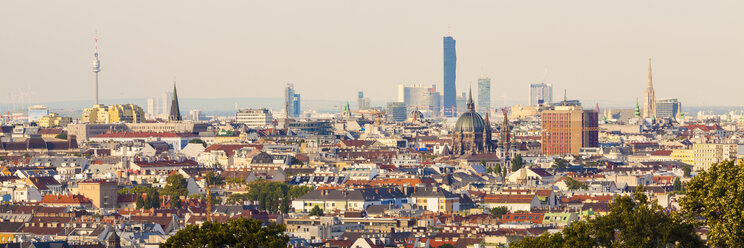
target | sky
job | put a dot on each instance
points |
(596, 50)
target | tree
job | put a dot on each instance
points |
(198, 141)
(61, 136)
(574, 185)
(316, 211)
(446, 246)
(715, 195)
(140, 202)
(632, 222)
(497, 169)
(489, 170)
(235, 180)
(175, 185)
(214, 179)
(687, 171)
(233, 233)
(677, 185)
(295, 161)
(560, 163)
(497, 212)
(517, 162)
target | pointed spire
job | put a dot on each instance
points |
(650, 80)
(175, 112)
(471, 105)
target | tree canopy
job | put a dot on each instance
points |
(517, 162)
(560, 163)
(271, 196)
(572, 184)
(233, 233)
(497, 212)
(175, 187)
(316, 211)
(632, 222)
(716, 196)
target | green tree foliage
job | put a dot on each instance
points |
(295, 161)
(175, 187)
(677, 185)
(271, 196)
(446, 246)
(233, 233)
(632, 222)
(199, 141)
(316, 211)
(61, 136)
(687, 170)
(572, 184)
(716, 196)
(214, 179)
(497, 212)
(517, 162)
(560, 163)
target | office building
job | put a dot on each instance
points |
(484, 94)
(668, 108)
(417, 96)
(565, 129)
(36, 112)
(164, 104)
(450, 68)
(396, 111)
(119, 113)
(702, 155)
(362, 103)
(195, 114)
(292, 102)
(460, 103)
(649, 103)
(54, 120)
(151, 107)
(435, 103)
(254, 118)
(541, 94)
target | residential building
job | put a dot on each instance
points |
(119, 113)
(103, 194)
(54, 120)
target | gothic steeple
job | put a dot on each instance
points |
(471, 105)
(175, 112)
(649, 104)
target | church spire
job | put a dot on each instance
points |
(471, 105)
(649, 104)
(175, 112)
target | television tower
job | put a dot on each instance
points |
(96, 67)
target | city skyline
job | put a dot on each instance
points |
(138, 56)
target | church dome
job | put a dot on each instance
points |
(470, 121)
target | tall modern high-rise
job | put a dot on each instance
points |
(450, 67)
(96, 69)
(668, 108)
(541, 94)
(461, 103)
(164, 101)
(151, 107)
(175, 112)
(484, 94)
(362, 103)
(291, 101)
(649, 103)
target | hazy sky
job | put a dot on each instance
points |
(597, 50)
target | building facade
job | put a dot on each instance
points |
(668, 108)
(119, 113)
(484, 94)
(565, 129)
(397, 111)
(450, 67)
(472, 134)
(292, 101)
(36, 112)
(541, 94)
(54, 120)
(254, 118)
(102, 194)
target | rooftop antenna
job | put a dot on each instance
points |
(565, 98)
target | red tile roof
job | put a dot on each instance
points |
(145, 135)
(65, 199)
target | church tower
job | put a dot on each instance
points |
(175, 112)
(649, 105)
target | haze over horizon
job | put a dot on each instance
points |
(598, 51)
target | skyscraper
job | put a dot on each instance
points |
(151, 107)
(450, 66)
(396, 111)
(649, 103)
(164, 101)
(484, 94)
(291, 101)
(362, 103)
(541, 94)
(175, 112)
